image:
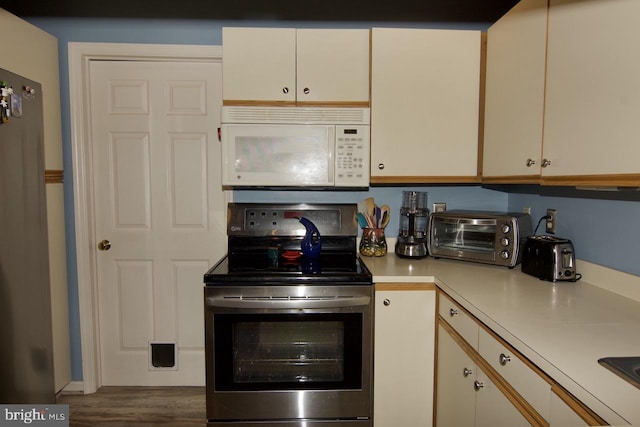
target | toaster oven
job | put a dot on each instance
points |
(488, 237)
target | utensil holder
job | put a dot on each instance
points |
(373, 242)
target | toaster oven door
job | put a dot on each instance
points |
(464, 238)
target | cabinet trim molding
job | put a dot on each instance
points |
(405, 286)
(425, 179)
(252, 103)
(52, 176)
(613, 180)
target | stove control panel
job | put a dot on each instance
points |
(254, 219)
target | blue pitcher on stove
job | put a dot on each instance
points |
(312, 241)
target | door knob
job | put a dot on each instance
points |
(104, 245)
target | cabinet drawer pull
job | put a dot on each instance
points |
(466, 372)
(386, 302)
(530, 162)
(380, 166)
(545, 163)
(306, 91)
(453, 312)
(477, 385)
(285, 90)
(504, 359)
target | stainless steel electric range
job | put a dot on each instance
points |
(289, 335)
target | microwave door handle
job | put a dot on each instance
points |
(279, 303)
(333, 154)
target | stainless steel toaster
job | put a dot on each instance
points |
(549, 258)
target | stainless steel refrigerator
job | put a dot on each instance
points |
(26, 353)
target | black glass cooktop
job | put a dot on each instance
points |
(288, 268)
(269, 259)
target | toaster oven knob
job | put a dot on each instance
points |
(504, 254)
(505, 241)
(505, 228)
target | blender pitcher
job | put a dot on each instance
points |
(414, 218)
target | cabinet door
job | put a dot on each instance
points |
(493, 409)
(514, 97)
(404, 358)
(562, 415)
(455, 405)
(333, 66)
(424, 105)
(593, 90)
(259, 64)
(508, 364)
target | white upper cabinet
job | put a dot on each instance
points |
(288, 65)
(514, 97)
(563, 94)
(259, 64)
(333, 66)
(425, 87)
(592, 114)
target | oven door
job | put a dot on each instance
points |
(467, 238)
(288, 352)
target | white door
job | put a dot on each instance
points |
(159, 202)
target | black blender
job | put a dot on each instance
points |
(414, 218)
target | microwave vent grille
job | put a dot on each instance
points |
(296, 115)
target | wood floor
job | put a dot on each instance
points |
(138, 406)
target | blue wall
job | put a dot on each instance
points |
(602, 225)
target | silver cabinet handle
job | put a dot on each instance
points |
(466, 372)
(477, 385)
(453, 312)
(380, 166)
(285, 90)
(545, 163)
(530, 162)
(386, 302)
(504, 359)
(306, 91)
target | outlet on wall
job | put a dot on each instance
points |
(551, 221)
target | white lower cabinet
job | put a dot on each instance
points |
(562, 415)
(483, 381)
(404, 351)
(466, 396)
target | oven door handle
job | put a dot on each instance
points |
(274, 303)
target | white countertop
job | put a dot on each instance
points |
(564, 328)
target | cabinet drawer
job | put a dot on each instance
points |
(535, 390)
(459, 319)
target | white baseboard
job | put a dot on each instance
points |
(74, 387)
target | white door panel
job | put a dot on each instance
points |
(160, 203)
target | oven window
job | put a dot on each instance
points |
(288, 351)
(468, 237)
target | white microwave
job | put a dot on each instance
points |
(295, 147)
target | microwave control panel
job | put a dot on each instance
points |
(352, 156)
